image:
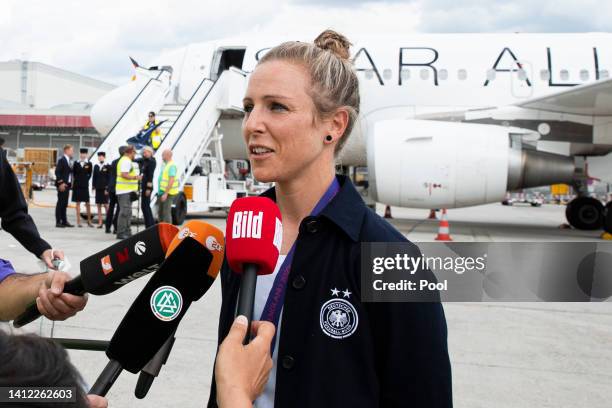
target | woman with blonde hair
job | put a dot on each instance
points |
(330, 349)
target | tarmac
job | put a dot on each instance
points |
(502, 354)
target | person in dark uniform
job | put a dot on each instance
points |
(63, 182)
(101, 174)
(332, 349)
(81, 172)
(147, 169)
(113, 210)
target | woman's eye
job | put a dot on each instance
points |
(278, 107)
(248, 108)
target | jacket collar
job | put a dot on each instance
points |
(346, 209)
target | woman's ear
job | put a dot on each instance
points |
(338, 123)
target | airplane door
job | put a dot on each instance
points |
(196, 66)
(226, 58)
(522, 80)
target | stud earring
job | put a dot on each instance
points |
(329, 138)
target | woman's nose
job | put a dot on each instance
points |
(253, 122)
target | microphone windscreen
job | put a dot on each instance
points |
(159, 308)
(127, 260)
(206, 234)
(254, 233)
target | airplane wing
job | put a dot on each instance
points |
(594, 99)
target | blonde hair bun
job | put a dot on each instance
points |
(335, 42)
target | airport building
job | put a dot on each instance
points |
(42, 106)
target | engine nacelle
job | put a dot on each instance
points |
(432, 164)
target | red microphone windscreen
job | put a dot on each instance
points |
(253, 234)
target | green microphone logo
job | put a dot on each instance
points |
(166, 303)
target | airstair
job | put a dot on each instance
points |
(190, 131)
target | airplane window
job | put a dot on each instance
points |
(603, 74)
(369, 74)
(443, 74)
(462, 74)
(387, 73)
(564, 74)
(424, 73)
(521, 74)
(405, 74)
(584, 75)
(491, 74)
(544, 75)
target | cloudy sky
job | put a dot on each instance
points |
(94, 37)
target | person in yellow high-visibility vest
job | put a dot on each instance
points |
(156, 136)
(126, 184)
(168, 187)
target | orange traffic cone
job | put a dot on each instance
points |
(432, 215)
(388, 212)
(443, 229)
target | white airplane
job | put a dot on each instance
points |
(447, 120)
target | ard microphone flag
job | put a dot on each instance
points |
(119, 264)
(254, 234)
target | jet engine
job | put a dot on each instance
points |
(432, 164)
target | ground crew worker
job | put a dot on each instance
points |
(168, 187)
(81, 172)
(156, 136)
(101, 174)
(125, 188)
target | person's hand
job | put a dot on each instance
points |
(54, 304)
(95, 401)
(62, 187)
(164, 197)
(147, 193)
(242, 371)
(49, 255)
(139, 177)
(105, 192)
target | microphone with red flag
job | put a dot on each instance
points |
(119, 264)
(253, 241)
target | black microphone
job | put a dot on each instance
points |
(153, 368)
(157, 311)
(212, 238)
(119, 264)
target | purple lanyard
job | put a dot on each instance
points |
(276, 298)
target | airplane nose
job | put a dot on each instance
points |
(110, 107)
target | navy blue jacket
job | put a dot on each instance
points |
(62, 172)
(397, 355)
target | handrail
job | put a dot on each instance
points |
(126, 111)
(183, 111)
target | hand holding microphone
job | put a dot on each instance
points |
(241, 372)
(107, 270)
